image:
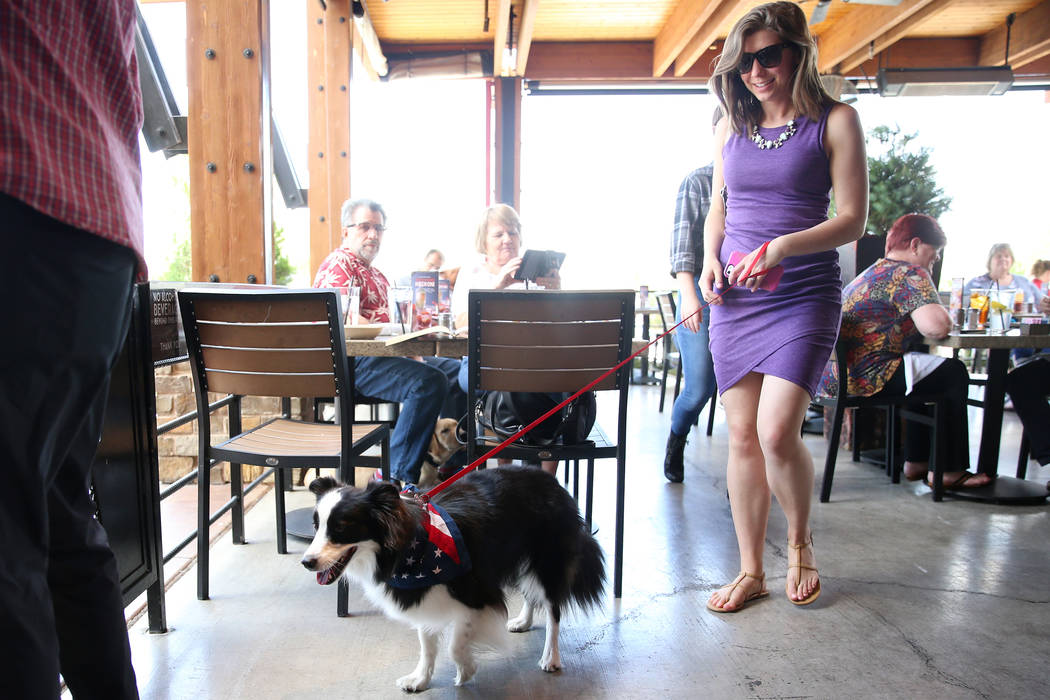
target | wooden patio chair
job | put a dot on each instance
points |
(555, 341)
(280, 344)
(896, 409)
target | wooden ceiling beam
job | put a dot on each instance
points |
(610, 61)
(707, 34)
(1029, 39)
(685, 21)
(856, 30)
(893, 35)
(944, 52)
(499, 41)
(525, 29)
(922, 53)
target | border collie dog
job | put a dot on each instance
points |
(447, 563)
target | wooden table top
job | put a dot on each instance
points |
(425, 347)
(1013, 339)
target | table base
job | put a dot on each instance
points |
(638, 377)
(1004, 490)
(299, 523)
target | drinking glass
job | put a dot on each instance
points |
(979, 300)
(402, 296)
(351, 298)
(1000, 311)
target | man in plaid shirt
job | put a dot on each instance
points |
(71, 213)
(687, 260)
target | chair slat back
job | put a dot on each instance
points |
(286, 343)
(548, 341)
(665, 305)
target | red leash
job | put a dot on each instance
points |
(481, 460)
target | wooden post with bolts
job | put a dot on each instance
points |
(329, 70)
(230, 156)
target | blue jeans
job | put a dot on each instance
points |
(698, 371)
(421, 391)
(455, 405)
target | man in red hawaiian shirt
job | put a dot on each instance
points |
(419, 388)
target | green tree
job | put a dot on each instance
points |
(179, 269)
(902, 180)
(179, 263)
(283, 271)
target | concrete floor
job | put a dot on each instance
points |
(920, 600)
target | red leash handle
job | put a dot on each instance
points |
(495, 450)
(761, 252)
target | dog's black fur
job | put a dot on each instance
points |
(519, 527)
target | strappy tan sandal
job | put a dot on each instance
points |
(799, 565)
(761, 593)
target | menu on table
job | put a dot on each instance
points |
(431, 295)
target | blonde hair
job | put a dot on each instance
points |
(808, 95)
(504, 214)
(999, 248)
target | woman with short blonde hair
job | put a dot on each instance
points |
(503, 214)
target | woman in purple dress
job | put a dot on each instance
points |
(784, 144)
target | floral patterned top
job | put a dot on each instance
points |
(344, 269)
(877, 325)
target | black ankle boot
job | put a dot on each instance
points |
(674, 464)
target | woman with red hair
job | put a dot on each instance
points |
(886, 312)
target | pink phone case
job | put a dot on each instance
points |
(769, 282)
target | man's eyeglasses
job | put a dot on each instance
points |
(769, 57)
(368, 227)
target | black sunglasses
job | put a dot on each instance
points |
(769, 57)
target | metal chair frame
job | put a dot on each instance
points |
(270, 343)
(555, 341)
(896, 407)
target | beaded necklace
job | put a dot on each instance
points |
(765, 144)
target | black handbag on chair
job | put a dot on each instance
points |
(504, 413)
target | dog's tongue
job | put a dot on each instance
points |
(333, 572)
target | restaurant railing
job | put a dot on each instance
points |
(196, 473)
(127, 471)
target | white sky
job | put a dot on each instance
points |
(599, 173)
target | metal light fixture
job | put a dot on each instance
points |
(929, 82)
(935, 82)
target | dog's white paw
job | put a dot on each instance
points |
(550, 661)
(465, 673)
(413, 682)
(521, 623)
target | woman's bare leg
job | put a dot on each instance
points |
(789, 471)
(748, 490)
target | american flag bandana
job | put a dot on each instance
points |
(436, 555)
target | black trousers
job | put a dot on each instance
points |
(950, 380)
(66, 297)
(1028, 387)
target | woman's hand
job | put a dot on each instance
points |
(551, 281)
(711, 282)
(506, 273)
(762, 259)
(690, 306)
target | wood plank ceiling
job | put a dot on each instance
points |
(677, 39)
